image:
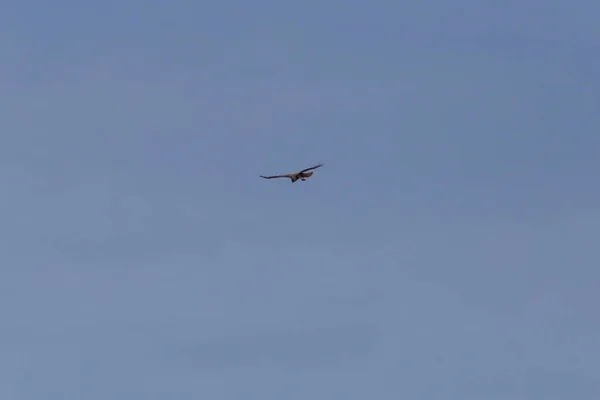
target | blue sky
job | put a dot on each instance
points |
(448, 249)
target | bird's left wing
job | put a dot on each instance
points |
(315, 167)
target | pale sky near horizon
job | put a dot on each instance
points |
(448, 249)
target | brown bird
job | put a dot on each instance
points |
(302, 175)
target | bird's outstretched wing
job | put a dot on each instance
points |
(314, 167)
(275, 176)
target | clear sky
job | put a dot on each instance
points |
(449, 248)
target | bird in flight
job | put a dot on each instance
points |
(302, 175)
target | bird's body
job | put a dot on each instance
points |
(302, 175)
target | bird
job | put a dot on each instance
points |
(302, 175)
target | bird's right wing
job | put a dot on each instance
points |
(275, 176)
